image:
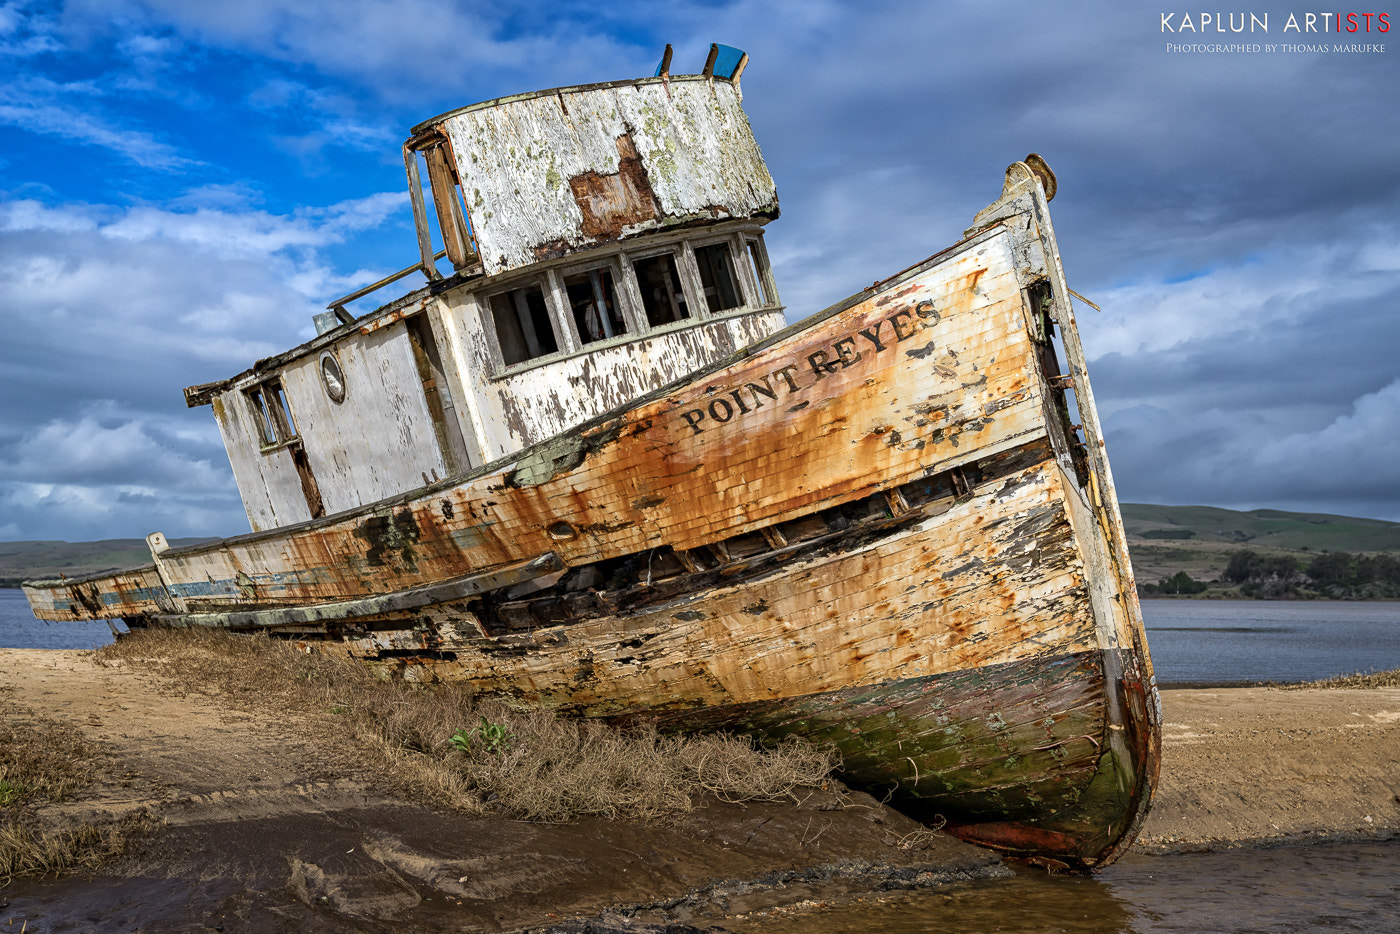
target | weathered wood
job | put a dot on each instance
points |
(535, 167)
(877, 528)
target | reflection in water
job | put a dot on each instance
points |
(1351, 888)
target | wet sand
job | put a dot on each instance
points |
(1251, 765)
(263, 828)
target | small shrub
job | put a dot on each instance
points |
(10, 792)
(1181, 583)
(490, 738)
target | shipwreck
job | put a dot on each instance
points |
(592, 470)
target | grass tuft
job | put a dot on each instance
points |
(29, 848)
(444, 744)
(42, 762)
(1361, 679)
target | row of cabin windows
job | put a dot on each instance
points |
(525, 330)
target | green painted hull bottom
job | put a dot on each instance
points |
(1052, 757)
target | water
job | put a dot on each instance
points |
(1222, 641)
(20, 630)
(1345, 888)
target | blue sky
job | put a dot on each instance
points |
(184, 184)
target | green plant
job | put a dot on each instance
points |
(493, 738)
(10, 792)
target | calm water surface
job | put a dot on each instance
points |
(1269, 640)
(1342, 888)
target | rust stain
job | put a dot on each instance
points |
(611, 202)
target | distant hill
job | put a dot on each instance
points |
(1259, 528)
(21, 561)
(1199, 540)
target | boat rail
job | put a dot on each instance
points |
(338, 305)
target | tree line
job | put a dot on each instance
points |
(1337, 574)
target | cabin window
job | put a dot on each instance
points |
(332, 378)
(272, 413)
(717, 277)
(523, 328)
(593, 301)
(762, 272)
(662, 295)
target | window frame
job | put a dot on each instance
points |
(272, 414)
(564, 341)
(635, 323)
(620, 262)
(741, 282)
(686, 272)
(758, 266)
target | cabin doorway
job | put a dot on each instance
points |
(456, 456)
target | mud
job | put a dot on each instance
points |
(263, 828)
(1261, 765)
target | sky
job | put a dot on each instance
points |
(184, 183)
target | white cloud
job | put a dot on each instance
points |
(108, 442)
(110, 311)
(67, 112)
(110, 467)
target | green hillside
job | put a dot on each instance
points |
(1199, 540)
(21, 561)
(1260, 528)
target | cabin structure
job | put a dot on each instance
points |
(604, 240)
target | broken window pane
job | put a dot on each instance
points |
(265, 429)
(593, 300)
(272, 412)
(758, 262)
(717, 276)
(662, 296)
(281, 412)
(523, 328)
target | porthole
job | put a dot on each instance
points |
(332, 378)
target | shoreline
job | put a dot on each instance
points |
(281, 836)
(1238, 598)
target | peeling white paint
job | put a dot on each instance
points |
(515, 159)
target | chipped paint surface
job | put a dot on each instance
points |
(524, 408)
(548, 174)
(876, 527)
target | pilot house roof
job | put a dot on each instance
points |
(557, 171)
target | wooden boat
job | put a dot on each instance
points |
(591, 471)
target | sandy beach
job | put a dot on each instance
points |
(256, 826)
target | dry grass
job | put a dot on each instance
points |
(29, 847)
(1371, 679)
(525, 764)
(44, 761)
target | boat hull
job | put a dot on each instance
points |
(879, 528)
